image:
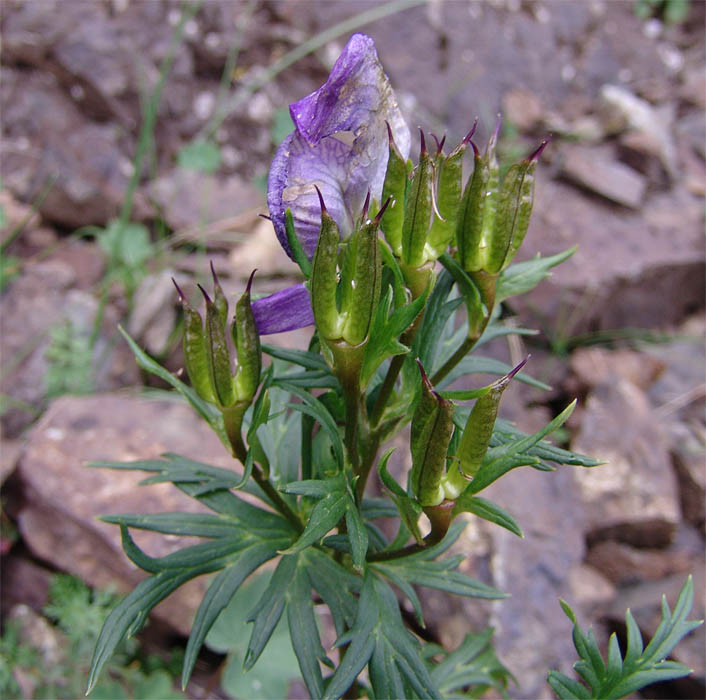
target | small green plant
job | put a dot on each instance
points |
(70, 358)
(672, 11)
(639, 666)
(78, 614)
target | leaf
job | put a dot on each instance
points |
(130, 614)
(326, 513)
(304, 632)
(524, 276)
(207, 411)
(621, 677)
(308, 360)
(488, 511)
(200, 155)
(268, 611)
(194, 524)
(386, 330)
(473, 663)
(379, 637)
(475, 364)
(358, 536)
(219, 594)
(311, 406)
(126, 243)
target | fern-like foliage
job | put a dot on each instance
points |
(640, 666)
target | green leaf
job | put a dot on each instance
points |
(130, 614)
(308, 360)
(126, 243)
(268, 611)
(524, 276)
(621, 677)
(304, 632)
(325, 515)
(358, 536)
(476, 364)
(313, 407)
(219, 594)
(194, 524)
(335, 585)
(379, 637)
(201, 155)
(295, 245)
(206, 410)
(487, 510)
(408, 508)
(473, 663)
(386, 330)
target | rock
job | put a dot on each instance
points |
(647, 129)
(622, 564)
(590, 589)
(10, 451)
(632, 498)
(632, 269)
(189, 198)
(23, 582)
(261, 249)
(523, 109)
(63, 497)
(36, 632)
(596, 170)
(44, 312)
(594, 366)
(154, 315)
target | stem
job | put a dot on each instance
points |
(460, 353)
(282, 506)
(386, 389)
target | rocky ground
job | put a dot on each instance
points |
(622, 321)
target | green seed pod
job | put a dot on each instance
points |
(449, 189)
(515, 208)
(323, 277)
(432, 426)
(219, 298)
(479, 426)
(417, 211)
(394, 189)
(247, 345)
(217, 354)
(361, 302)
(195, 359)
(479, 208)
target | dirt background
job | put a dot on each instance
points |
(621, 322)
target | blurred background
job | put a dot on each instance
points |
(136, 140)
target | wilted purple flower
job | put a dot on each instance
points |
(340, 144)
(283, 311)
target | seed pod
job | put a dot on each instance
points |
(217, 354)
(362, 300)
(247, 345)
(323, 277)
(479, 426)
(432, 425)
(195, 358)
(449, 190)
(394, 189)
(219, 298)
(418, 210)
(516, 200)
(478, 208)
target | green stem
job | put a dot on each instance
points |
(460, 353)
(282, 506)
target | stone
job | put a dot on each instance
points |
(154, 316)
(182, 196)
(633, 497)
(594, 366)
(10, 451)
(645, 128)
(37, 306)
(63, 497)
(261, 249)
(621, 563)
(596, 170)
(522, 109)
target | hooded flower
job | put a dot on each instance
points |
(340, 144)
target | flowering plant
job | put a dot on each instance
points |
(404, 270)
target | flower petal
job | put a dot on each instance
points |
(340, 144)
(283, 311)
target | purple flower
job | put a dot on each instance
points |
(340, 144)
(283, 311)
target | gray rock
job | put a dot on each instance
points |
(63, 497)
(634, 496)
(154, 314)
(596, 170)
(594, 366)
